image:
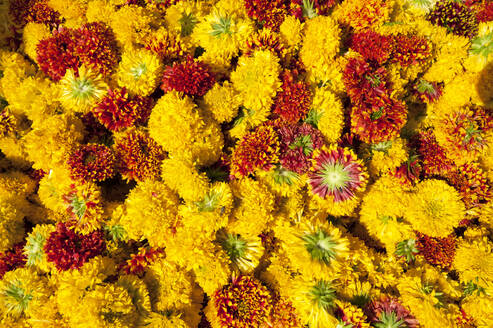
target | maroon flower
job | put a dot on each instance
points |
(373, 46)
(190, 77)
(12, 259)
(390, 311)
(92, 162)
(292, 103)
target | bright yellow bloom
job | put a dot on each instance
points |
(480, 308)
(31, 35)
(72, 11)
(11, 226)
(185, 179)
(139, 71)
(290, 32)
(244, 253)
(474, 262)
(326, 112)
(434, 208)
(100, 11)
(131, 23)
(256, 79)
(222, 102)
(33, 249)
(386, 156)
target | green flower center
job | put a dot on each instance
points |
(407, 248)
(283, 176)
(138, 70)
(323, 295)
(303, 142)
(82, 88)
(34, 249)
(78, 207)
(314, 117)
(334, 176)
(321, 246)
(209, 203)
(482, 45)
(17, 299)
(383, 146)
(187, 22)
(389, 320)
(221, 26)
(116, 232)
(308, 9)
(234, 246)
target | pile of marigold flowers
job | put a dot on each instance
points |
(246, 163)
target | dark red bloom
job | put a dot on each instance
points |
(265, 40)
(269, 13)
(70, 250)
(431, 154)
(389, 307)
(455, 16)
(427, 92)
(436, 251)
(38, 11)
(292, 103)
(472, 184)
(138, 156)
(485, 11)
(140, 261)
(190, 77)
(409, 172)
(373, 46)
(12, 259)
(297, 145)
(92, 162)
(303, 9)
(165, 45)
(411, 49)
(56, 54)
(118, 110)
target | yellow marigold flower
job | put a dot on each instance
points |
(22, 291)
(50, 141)
(480, 53)
(182, 17)
(382, 210)
(321, 44)
(11, 226)
(130, 23)
(255, 207)
(352, 314)
(157, 320)
(314, 302)
(52, 187)
(221, 33)
(434, 208)
(200, 139)
(281, 181)
(92, 273)
(212, 270)
(385, 156)
(31, 35)
(316, 250)
(244, 253)
(100, 11)
(480, 308)
(73, 11)
(184, 178)
(222, 102)
(151, 213)
(364, 14)
(139, 71)
(33, 249)
(473, 261)
(256, 79)
(290, 32)
(326, 113)
(79, 92)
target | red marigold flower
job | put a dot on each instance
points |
(464, 320)
(257, 150)
(25, 11)
(138, 156)
(244, 303)
(56, 54)
(297, 145)
(389, 310)
(409, 172)
(165, 45)
(118, 110)
(455, 16)
(428, 92)
(336, 172)
(293, 102)
(190, 77)
(373, 46)
(472, 184)
(437, 251)
(485, 11)
(92, 162)
(70, 250)
(12, 259)
(269, 13)
(284, 315)
(411, 49)
(379, 120)
(303, 9)
(96, 47)
(141, 260)
(431, 154)
(364, 82)
(265, 39)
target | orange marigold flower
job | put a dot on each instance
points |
(284, 315)
(265, 39)
(431, 154)
(437, 251)
(190, 77)
(92, 162)
(258, 149)
(141, 260)
(165, 45)
(411, 49)
(363, 14)
(270, 13)
(138, 156)
(373, 46)
(293, 102)
(244, 303)
(472, 184)
(118, 110)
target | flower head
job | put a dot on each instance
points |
(455, 16)
(436, 251)
(388, 312)
(190, 77)
(83, 204)
(244, 253)
(411, 49)
(139, 71)
(336, 172)
(472, 184)
(293, 102)
(12, 259)
(373, 46)
(431, 154)
(270, 13)
(70, 250)
(92, 162)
